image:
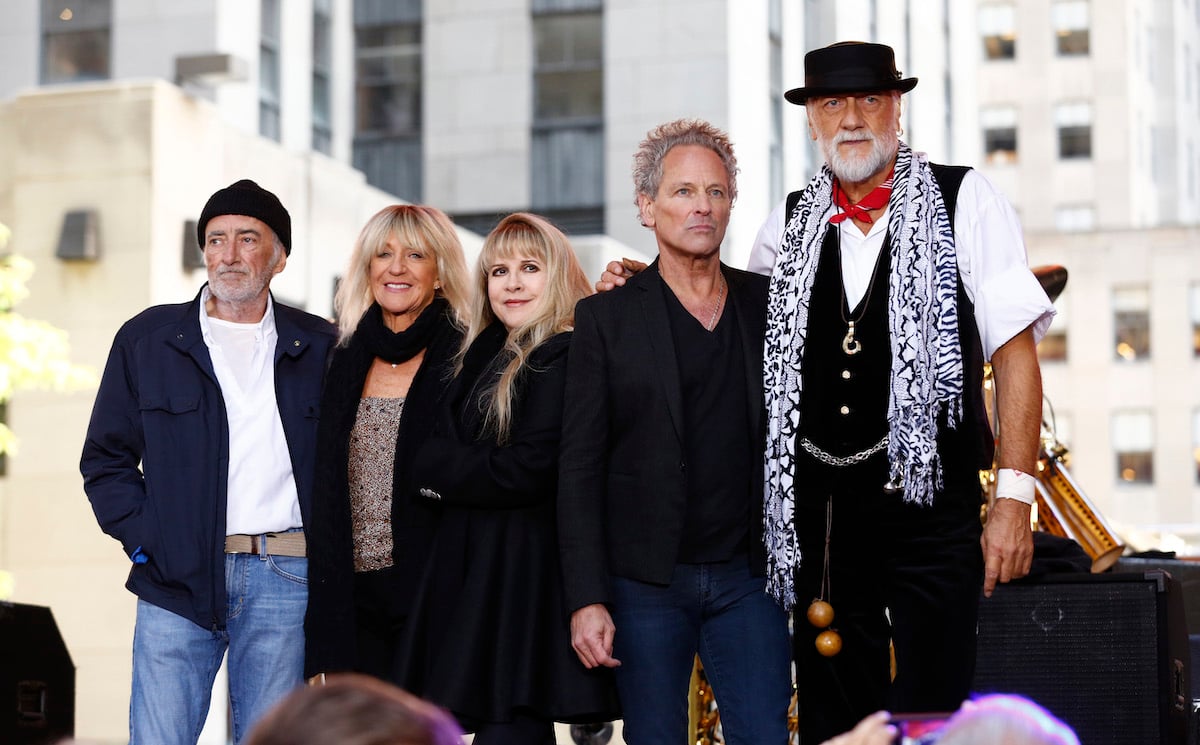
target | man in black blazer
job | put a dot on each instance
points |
(660, 488)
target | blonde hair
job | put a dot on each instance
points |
(518, 235)
(415, 225)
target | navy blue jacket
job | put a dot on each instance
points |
(155, 462)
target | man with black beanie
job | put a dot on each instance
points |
(197, 459)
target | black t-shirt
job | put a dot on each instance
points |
(717, 434)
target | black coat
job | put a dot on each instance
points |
(489, 634)
(623, 471)
(332, 618)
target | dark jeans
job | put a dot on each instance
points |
(721, 612)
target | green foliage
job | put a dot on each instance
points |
(33, 354)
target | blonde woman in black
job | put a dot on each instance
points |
(490, 638)
(401, 306)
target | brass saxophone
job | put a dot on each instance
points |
(1064, 510)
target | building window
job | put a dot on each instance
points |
(1191, 170)
(997, 25)
(1196, 443)
(999, 134)
(1070, 18)
(1186, 66)
(775, 153)
(1074, 123)
(1194, 306)
(76, 40)
(567, 159)
(388, 96)
(1053, 346)
(1074, 218)
(1131, 323)
(322, 127)
(268, 72)
(1133, 444)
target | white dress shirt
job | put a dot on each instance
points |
(262, 489)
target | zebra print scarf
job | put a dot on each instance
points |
(927, 366)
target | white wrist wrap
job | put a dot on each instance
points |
(1014, 484)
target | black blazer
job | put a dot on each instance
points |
(622, 471)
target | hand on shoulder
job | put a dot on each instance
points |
(617, 272)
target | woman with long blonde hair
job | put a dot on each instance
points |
(401, 306)
(489, 637)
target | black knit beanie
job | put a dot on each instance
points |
(248, 198)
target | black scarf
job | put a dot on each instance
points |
(399, 346)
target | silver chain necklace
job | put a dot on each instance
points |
(712, 321)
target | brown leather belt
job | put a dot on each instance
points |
(272, 544)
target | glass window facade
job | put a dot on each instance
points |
(999, 134)
(1133, 446)
(1071, 27)
(322, 121)
(76, 40)
(388, 94)
(567, 149)
(1074, 123)
(997, 26)
(1131, 323)
(269, 121)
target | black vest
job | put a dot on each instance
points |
(844, 407)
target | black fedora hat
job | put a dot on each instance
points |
(849, 67)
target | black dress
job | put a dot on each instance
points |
(489, 632)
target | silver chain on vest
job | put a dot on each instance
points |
(836, 460)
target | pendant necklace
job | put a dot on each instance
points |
(850, 345)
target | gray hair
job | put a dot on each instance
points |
(1002, 719)
(648, 160)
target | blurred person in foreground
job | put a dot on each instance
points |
(198, 459)
(660, 489)
(400, 305)
(353, 709)
(489, 636)
(996, 719)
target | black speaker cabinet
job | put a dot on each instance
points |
(1185, 573)
(37, 679)
(1107, 654)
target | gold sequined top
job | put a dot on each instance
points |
(369, 474)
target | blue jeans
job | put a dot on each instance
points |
(721, 612)
(175, 661)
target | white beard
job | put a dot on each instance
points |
(858, 169)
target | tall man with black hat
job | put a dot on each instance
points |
(892, 281)
(197, 460)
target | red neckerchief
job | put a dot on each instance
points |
(861, 210)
